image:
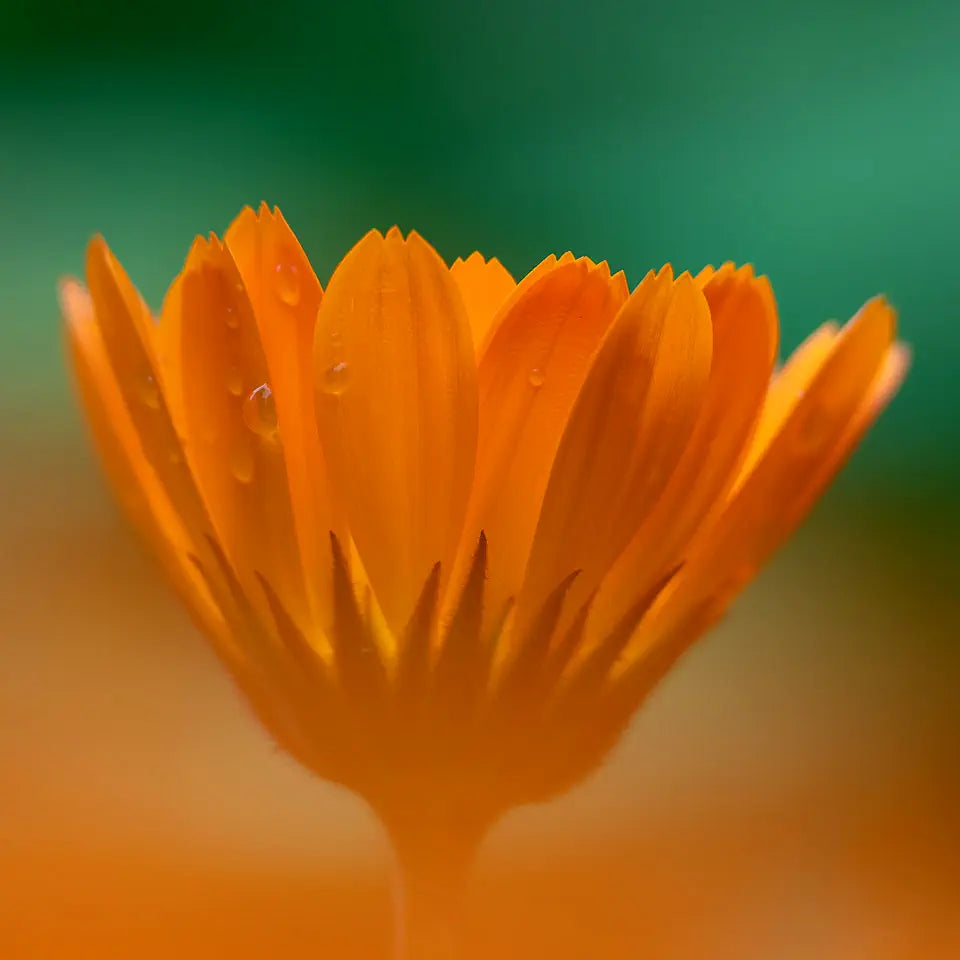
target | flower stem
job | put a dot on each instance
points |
(434, 861)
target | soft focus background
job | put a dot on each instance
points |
(792, 790)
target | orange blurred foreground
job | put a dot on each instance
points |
(790, 792)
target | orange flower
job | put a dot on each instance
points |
(446, 531)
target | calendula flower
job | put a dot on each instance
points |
(444, 530)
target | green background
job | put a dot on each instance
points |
(820, 141)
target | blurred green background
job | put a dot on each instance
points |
(820, 141)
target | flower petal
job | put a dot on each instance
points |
(626, 434)
(885, 384)
(396, 396)
(231, 429)
(286, 295)
(133, 480)
(787, 387)
(771, 500)
(744, 324)
(484, 285)
(528, 380)
(125, 325)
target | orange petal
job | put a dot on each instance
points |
(286, 295)
(396, 399)
(506, 307)
(528, 380)
(787, 388)
(134, 481)
(775, 495)
(231, 423)
(885, 384)
(744, 340)
(626, 434)
(125, 325)
(166, 341)
(484, 285)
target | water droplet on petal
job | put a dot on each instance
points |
(288, 284)
(536, 378)
(235, 381)
(241, 462)
(336, 338)
(231, 317)
(150, 392)
(336, 379)
(260, 412)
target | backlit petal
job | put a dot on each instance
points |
(774, 496)
(787, 388)
(136, 485)
(626, 434)
(529, 378)
(124, 324)
(744, 328)
(231, 423)
(396, 396)
(484, 285)
(285, 295)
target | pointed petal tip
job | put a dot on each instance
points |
(99, 255)
(97, 243)
(877, 312)
(603, 267)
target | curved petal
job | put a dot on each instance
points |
(528, 380)
(744, 324)
(133, 480)
(286, 295)
(124, 323)
(794, 467)
(627, 431)
(787, 388)
(396, 396)
(166, 339)
(484, 285)
(885, 384)
(231, 425)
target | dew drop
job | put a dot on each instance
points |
(241, 462)
(235, 381)
(260, 412)
(150, 392)
(288, 284)
(336, 379)
(536, 378)
(231, 317)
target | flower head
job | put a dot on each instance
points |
(444, 530)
